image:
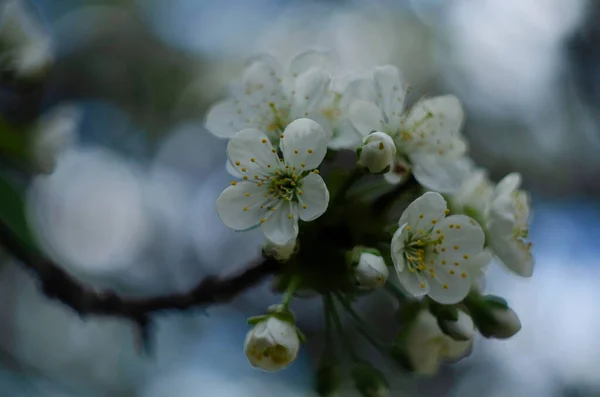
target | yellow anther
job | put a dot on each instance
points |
(302, 165)
(466, 256)
(434, 222)
(408, 228)
(245, 178)
(310, 151)
(463, 275)
(262, 220)
(456, 247)
(438, 231)
(443, 249)
(245, 208)
(445, 286)
(316, 171)
(296, 151)
(233, 183)
(237, 163)
(243, 169)
(252, 159)
(264, 140)
(444, 262)
(281, 136)
(421, 216)
(422, 285)
(289, 216)
(452, 272)
(304, 206)
(451, 226)
(273, 150)
(446, 211)
(456, 264)
(268, 165)
(458, 226)
(247, 194)
(381, 146)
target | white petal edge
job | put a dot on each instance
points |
(421, 213)
(282, 224)
(315, 196)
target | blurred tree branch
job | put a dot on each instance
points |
(57, 284)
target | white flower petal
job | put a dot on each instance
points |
(221, 119)
(240, 211)
(461, 236)
(282, 224)
(390, 92)
(440, 117)
(232, 171)
(304, 144)
(345, 136)
(413, 283)
(251, 154)
(514, 254)
(359, 88)
(437, 173)
(314, 198)
(509, 183)
(366, 117)
(397, 247)
(421, 213)
(260, 84)
(310, 89)
(451, 283)
(307, 60)
(267, 59)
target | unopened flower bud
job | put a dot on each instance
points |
(376, 153)
(461, 329)
(369, 381)
(493, 317)
(371, 271)
(279, 252)
(506, 321)
(272, 344)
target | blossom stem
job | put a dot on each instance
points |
(291, 289)
(360, 323)
(383, 202)
(348, 183)
(340, 329)
(395, 291)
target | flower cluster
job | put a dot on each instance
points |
(288, 129)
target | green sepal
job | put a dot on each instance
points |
(257, 319)
(400, 357)
(301, 335)
(495, 302)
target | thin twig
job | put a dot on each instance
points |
(57, 284)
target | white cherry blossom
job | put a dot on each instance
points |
(268, 98)
(427, 346)
(427, 136)
(275, 192)
(272, 344)
(507, 222)
(433, 253)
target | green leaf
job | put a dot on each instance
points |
(12, 212)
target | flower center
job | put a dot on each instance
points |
(284, 186)
(415, 250)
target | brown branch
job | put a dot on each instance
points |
(57, 284)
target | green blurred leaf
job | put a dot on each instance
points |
(12, 212)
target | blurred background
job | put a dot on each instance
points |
(130, 205)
